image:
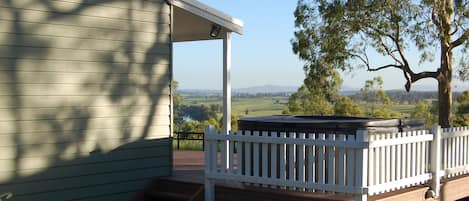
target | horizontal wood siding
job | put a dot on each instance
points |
(84, 98)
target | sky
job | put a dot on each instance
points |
(263, 54)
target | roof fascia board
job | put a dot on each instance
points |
(210, 14)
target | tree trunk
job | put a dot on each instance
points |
(445, 95)
(446, 65)
(444, 103)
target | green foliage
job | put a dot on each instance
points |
(346, 107)
(424, 110)
(385, 113)
(338, 35)
(234, 122)
(462, 113)
(374, 94)
(307, 102)
(177, 102)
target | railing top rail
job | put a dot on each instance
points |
(349, 143)
(455, 132)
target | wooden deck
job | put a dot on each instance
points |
(188, 167)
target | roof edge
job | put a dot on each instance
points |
(209, 13)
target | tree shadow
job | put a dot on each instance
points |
(64, 135)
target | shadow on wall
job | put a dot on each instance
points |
(84, 97)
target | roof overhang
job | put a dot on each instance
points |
(193, 21)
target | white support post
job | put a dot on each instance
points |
(227, 91)
(362, 166)
(436, 160)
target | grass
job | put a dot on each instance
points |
(255, 106)
(265, 106)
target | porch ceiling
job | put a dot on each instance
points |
(193, 21)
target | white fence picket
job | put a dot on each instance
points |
(334, 162)
(455, 149)
(273, 158)
(248, 155)
(240, 154)
(311, 161)
(265, 160)
(283, 159)
(301, 160)
(393, 160)
(372, 163)
(341, 162)
(350, 163)
(387, 158)
(255, 160)
(321, 163)
(291, 160)
(330, 160)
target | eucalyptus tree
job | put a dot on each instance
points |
(340, 34)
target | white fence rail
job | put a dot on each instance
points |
(398, 160)
(359, 164)
(455, 155)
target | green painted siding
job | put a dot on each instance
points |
(84, 98)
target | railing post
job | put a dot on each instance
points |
(178, 139)
(209, 184)
(361, 166)
(436, 161)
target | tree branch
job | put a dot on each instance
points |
(435, 16)
(390, 52)
(425, 74)
(384, 67)
(460, 40)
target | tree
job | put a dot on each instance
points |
(346, 107)
(373, 92)
(177, 104)
(424, 110)
(339, 33)
(309, 102)
(462, 113)
(319, 91)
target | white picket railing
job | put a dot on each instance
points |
(398, 160)
(455, 147)
(358, 164)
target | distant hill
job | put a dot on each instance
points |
(266, 89)
(287, 90)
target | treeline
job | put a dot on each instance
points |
(400, 97)
(403, 97)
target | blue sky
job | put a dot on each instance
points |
(262, 55)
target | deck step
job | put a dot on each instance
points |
(167, 196)
(169, 190)
(266, 194)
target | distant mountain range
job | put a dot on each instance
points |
(266, 89)
(269, 89)
(276, 89)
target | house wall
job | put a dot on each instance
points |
(84, 97)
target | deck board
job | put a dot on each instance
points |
(188, 166)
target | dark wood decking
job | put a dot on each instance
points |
(187, 181)
(188, 166)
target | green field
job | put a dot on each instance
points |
(255, 106)
(264, 106)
